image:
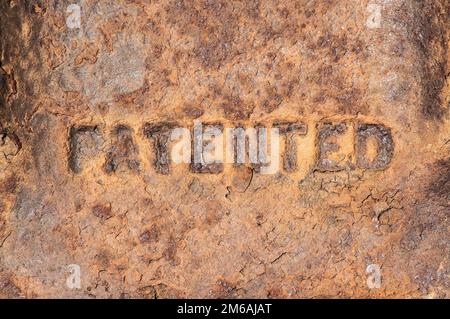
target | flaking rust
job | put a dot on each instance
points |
(333, 119)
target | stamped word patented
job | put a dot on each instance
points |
(206, 147)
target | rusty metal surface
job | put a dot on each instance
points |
(90, 92)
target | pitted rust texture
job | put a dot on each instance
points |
(87, 179)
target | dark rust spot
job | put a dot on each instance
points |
(440, 182)
(102, 211)
(235, 109)
(9, 185)
(149, 236)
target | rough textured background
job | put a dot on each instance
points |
(137, 233)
